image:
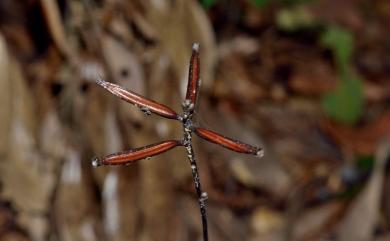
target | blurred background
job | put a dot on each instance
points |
(308, 80)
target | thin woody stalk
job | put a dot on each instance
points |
(202, 196)
(187, 142)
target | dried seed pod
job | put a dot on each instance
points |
(143, 103)
(193, 76)
(127, 157)
(226, 142)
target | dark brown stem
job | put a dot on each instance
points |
(187, 143)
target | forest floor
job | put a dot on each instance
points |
(307, 80)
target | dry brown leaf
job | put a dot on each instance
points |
(8, 223)
(315, 221)
(361, 140)
(362, 216)
(178, 25)
(125, 66)
(345, 12)
(26, 175)
(5, 98)
(313, 78)
(265, 220)
(56, 27)
(74, 201)
(385, 237)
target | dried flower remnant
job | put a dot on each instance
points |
(226, 142)
(189, 104)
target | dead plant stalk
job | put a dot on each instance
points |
(186, 118)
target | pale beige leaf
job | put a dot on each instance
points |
(362, 216)
(5, 97)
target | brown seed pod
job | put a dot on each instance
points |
(193, 76)
(226, 142)
(143, 103)
(127, 157)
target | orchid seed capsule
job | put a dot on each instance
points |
(193, 76)
(138, 100)
(226, 142)
(127, 157)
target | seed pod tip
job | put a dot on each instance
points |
(195, 47)
(101, 82)
(260, 153)
(96, 162)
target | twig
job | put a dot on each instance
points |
(187, 142)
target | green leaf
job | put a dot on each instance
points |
(296, 2)
(260, 3)
(365, 163)
(292, 19)
(208, 3)
(341, 42)
(345, 103)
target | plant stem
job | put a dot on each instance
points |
(202, 196)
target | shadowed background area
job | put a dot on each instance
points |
(308, 80)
